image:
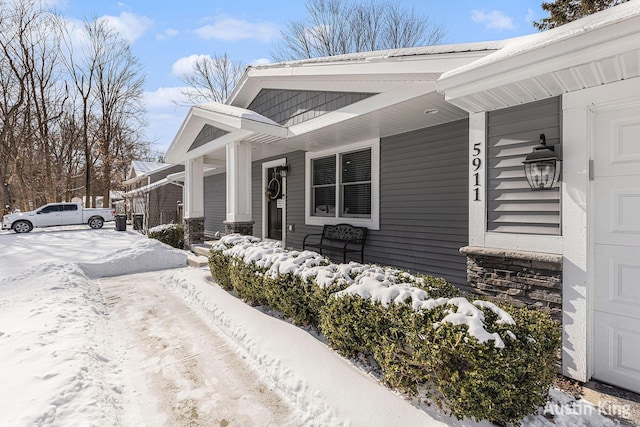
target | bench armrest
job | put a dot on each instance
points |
(304, 241)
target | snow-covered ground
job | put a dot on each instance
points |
(99, 327)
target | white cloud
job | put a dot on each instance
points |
(166, 111)
(129, 25)
(494, 20)
(231, 29)
(531, 16)
(184, 65)
(165, 98)
(169, 32)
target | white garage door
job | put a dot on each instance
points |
(616, 243)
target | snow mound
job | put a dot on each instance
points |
(143, 255)
(54, 364)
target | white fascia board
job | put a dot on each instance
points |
(374, 103)
(177, 147)
(264, 128)
(217, 144)
(239, 127)
(539, 54)
(373, 75)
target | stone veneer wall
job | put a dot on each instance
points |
(193, 231)
(244, 228)
(520, 278)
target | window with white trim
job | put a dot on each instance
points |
(342, 185)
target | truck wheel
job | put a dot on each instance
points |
(96, 223)
(22, 226)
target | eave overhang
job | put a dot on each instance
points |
(242, 125)
(598, 49)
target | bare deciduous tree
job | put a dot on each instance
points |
(119, 89)
(109, 82)
(335, 27)
(211, 79)
(67, 116)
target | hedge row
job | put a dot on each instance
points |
(473, 358)
(171, 234)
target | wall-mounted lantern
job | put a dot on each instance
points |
(282, 170)
(542, 166)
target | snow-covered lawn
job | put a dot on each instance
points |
(80, 346)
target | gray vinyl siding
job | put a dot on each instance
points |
(163, 174)
(424, 218)
(290, 107)
(163, 208)
(423, 202)
(215, 204)
(511, 134)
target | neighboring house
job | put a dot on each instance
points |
(425, 146)
(152, 198)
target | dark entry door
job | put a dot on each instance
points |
(274, 204)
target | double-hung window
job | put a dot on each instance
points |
(342, 185)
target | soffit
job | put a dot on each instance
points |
(599, 49)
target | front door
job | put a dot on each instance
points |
(616, 247)
(275, 203)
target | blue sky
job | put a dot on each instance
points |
(166, 36)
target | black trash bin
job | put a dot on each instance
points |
(121, 223)
(138, 221)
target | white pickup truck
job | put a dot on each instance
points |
(53, 214)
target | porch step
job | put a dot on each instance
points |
(197, 261)
(201, 250)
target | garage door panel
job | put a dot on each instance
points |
(618, 210)
(621, 129)
(616, 246)
(617, 276)
(617, 346)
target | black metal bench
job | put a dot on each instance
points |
(339, 237)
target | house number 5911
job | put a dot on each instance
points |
(476, 162)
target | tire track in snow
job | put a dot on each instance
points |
(176, 370)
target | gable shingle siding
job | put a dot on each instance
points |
(290, 107)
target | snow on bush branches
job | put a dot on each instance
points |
(474, 358)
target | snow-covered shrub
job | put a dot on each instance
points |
(171, 234)
(219, 261)
(475, 359)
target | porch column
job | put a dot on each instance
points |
(239, 216)
(193, 202)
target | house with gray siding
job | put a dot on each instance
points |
(366, 140)
(152, 198)
(429, 148)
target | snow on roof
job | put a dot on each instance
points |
(392, 53)
(237, 112)
(149, 187)
(142, 168)
(538, 41)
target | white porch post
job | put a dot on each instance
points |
(239, 216)
(194, 188)
(193, 201)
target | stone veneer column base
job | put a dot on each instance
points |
(523, 279)
(193, 231)
(242, 227)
